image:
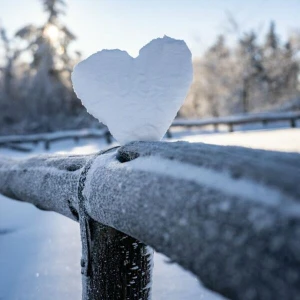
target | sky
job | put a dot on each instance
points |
(130, 24)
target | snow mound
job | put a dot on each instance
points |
(137, 98)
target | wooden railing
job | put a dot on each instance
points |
(230, 215)
(15, 141)
(48, 138)
(232, 121)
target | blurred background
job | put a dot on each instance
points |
(246, 55)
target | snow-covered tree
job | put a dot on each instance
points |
(212, 81)
(249, 76)
(49, 89)
(35, 83)
(9, 80)
(281, 69)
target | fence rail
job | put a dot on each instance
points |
(231, 121)
(230, 215)
(48, 138)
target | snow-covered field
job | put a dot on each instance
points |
(40, 251)
(287, 140)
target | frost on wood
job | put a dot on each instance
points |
(48, 182)
(189, 201)
(120, 267)
(137, 98)
(234, 243)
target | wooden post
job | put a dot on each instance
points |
(108, 137)
(230, 127)
(120, 266)
(264, 123)
(47, 145)
(169, 134)
(293, 123)
(113, 264)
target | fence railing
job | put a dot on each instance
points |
(48, 138)
(232, 121)
(230, 215)
(14, 141)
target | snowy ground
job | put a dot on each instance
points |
(40, 251)
(287, 140)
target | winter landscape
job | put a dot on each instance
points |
(133, 138)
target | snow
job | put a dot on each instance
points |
(287, 139)
(39, 254)
(242, 188)
(137, 98)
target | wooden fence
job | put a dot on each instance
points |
(232, 121)
(48, 138)
(230, 215)
(15, 141)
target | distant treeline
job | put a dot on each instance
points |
(36, 93)
(249, 76)
(35, 87)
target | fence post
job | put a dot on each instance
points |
(108, 138)
(47, 145)
(264, 123)
(293, 123)
(113, 264)
(120, 266)
(169, 134)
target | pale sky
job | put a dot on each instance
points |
(130, 24)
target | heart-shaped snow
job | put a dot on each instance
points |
(137, 98)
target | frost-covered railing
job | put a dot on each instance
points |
(13, 140)
(48, 138)
(230, 121)
(230, 215)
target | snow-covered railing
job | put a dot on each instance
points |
(230, 215)
(230, 121)
(48, 138)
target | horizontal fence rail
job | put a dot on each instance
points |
(231, 121)
(48, 138)
(230, 215)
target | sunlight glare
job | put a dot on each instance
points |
(51, 32)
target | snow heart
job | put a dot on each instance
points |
(137, 98)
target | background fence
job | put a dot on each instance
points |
(15, 141)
